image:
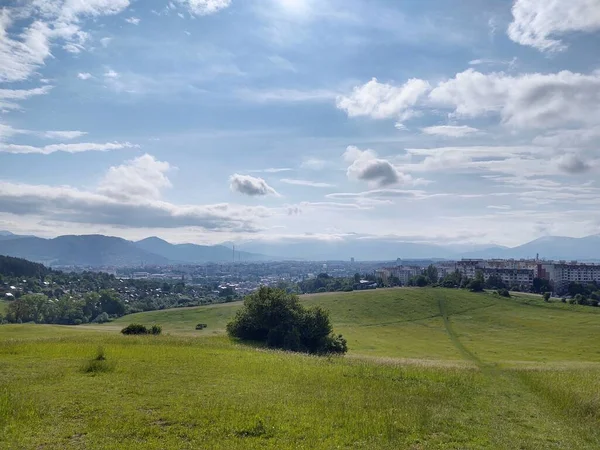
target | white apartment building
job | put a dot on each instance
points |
(403, 273)
(562, 273)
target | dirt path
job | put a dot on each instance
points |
(516, 408)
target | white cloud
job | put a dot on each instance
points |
(143, 177)
(105, 41)
(67, 204)
(539, 23)
(272, 170)
(523, 101)
(450, 130)
(366, 166)
(287, 95)
(383, 101)
(23, 54)
(572, 164)
(314, 164)
(68, 148)
(9, 97)
(64, 134)
(308, 183)
(205, 7)
(84, 75)
(252, 186)
(111, 74)
(133, 20)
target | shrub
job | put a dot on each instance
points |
(475, 285)
(156, 330)
(98, 364)
(135, 328)
(101, 318)
(546, 296)
(564, 300)
(277, 319)
(503, 292)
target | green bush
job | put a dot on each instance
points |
(98, 364)
(503, 292)
(546, 296)
(277, 319)
(135, 328)
(156, 329)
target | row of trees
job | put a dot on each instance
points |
(92, 307)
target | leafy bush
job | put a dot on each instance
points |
(546, 296)
(475, 285)
(503, 292)
(156, 330)
(135, 328)
(277, 319)
(101, 318)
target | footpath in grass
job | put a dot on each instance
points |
(468, 390)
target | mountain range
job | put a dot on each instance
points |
(100, 250)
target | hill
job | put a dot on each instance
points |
(429, 368)
(194, 254)
(17, 267)
(90, 250)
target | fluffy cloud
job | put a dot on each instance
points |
(366, 166)
(450, 130)
(143, 177)
(205, 7)
(64, 134)
(252, 186)
(84, 75)
(523, 101)
(308, 183)
(129, 195)
(383, 101)
(67, 204)
(572, 164)
(133, 20)
(538, 23)
(68, 148)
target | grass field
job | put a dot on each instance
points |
(427, 368)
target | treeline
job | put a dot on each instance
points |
(326, 283)
(17, 267)
(38, 294)
(95, 307)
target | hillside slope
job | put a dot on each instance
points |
(87, 250)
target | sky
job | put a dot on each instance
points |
(207, 121)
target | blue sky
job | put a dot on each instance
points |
(301, 120)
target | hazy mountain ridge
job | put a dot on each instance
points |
(100, 250)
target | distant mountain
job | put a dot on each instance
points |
(195, 254)
(548, 247)
(99, 250)
(7, 235)
(360, 249)
(90, 250)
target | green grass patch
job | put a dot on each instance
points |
(428, 368)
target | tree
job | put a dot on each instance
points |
(111, 304)
(421, 281)
(475, 285)
(277, 319)
(495, 282)
(432, 274)
(357, 278)
(541, 285)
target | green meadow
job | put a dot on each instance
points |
(426, 368)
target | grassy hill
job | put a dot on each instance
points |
(427, 368)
